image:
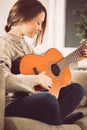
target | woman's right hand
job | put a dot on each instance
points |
(44, 80)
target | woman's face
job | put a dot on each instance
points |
(32, 27)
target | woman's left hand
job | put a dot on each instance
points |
(84, 51)
(84, 55)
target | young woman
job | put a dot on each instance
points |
(28, 17)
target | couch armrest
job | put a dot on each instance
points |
(2, 99)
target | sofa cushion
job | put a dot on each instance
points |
(83, 102)
(14, 123)
(82, 123)
(80, 76)
(81, 109)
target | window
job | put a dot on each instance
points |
(71, 40)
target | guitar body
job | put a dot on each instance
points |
(44, 63)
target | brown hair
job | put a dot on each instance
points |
(25, 10)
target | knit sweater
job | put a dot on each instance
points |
(12, 47)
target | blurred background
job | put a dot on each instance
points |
(66, 24)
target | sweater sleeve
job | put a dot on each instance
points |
(14, 82)
(20, 82)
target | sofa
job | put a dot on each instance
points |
(16, 123)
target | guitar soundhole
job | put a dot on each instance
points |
(55, 69)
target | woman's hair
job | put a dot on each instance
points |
(25, 10)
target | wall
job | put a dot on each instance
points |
(5, 6)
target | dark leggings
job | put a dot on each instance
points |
(45, 107)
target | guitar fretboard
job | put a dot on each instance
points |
(71, 57)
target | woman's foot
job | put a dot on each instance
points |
(73, 117)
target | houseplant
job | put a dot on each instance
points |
(81, 24)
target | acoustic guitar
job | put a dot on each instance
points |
(53, 63)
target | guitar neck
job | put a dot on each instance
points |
(71, 57)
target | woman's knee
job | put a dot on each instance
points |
(49, 98)
(78, 89)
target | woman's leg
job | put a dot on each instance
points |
(42, 106)
(69, 98)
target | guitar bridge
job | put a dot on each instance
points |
(35, 70)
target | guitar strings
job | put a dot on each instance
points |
(71, 57)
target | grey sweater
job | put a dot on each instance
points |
(12, 47)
